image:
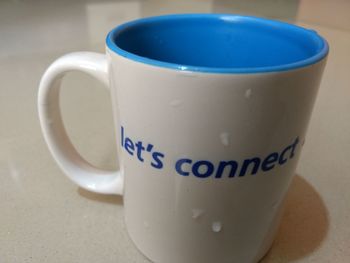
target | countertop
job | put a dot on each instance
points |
(44, 217)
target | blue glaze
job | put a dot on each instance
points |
(217, 43)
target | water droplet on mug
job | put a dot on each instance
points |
(216, 227)
(175, 103)
(197, 213)
(225, 138)
(248, 93)
(145, 224)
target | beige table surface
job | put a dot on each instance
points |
(46, 218)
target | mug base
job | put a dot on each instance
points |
(263, 254)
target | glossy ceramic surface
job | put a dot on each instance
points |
(46, 218)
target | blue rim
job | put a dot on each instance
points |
(320, 41)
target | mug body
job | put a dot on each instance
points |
(208, 148)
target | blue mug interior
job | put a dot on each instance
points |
(217, 43)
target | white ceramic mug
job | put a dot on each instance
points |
(210, 115)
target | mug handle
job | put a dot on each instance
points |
(70, 161)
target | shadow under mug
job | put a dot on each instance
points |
(211, 112)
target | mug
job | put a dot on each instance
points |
(210, 112)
